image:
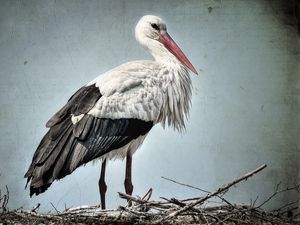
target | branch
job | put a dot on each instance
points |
(186, 185)
(278, 191)
(58, 212)
(147, 196)
(209, 195)
(34, 209)
(196, 188)
(4, 199)
(142, 201)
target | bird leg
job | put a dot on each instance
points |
(102, 184)
(127, 182)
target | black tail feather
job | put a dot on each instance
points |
(47, 161)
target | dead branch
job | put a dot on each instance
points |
(34, 209)
(279, 191)
(186, 185)
(4, 199)
(209, 195)
(286, 207)
(158, 204)
(58, 212)
(148, 194)
(196, 188)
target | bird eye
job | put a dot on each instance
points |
(154, 26)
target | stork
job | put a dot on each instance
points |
(110, 116)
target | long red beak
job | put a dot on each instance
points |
(170, 44)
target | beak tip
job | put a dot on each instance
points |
(194, 70)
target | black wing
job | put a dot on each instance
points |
(65, 147)
(81, 102)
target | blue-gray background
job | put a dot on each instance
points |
(245, 100)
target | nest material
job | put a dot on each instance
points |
(167, 211)
(210, 215)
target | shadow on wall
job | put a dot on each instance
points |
(288, 12)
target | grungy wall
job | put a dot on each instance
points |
(245, 100)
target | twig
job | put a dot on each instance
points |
(186, 185)
(58, 212)
(7, 196)
(75, 209)
(277, 191)
(141, 201)
(289, 211)
(254, 202)
(147, 196)
(129, 197)
(220, 190)
(196, 188)
(174, 201)
(136, 213)
(4, 199)
(36, 207)
(278, 211)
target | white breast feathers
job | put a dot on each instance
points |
(144, 90)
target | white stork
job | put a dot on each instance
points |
(110, 116)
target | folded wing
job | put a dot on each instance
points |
(66, 146)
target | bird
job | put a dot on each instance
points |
(110, 116)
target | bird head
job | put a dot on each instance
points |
(151, 33)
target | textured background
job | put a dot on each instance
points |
(245, 101)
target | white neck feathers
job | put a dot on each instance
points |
(177, 101)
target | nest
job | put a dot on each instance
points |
(142, 210)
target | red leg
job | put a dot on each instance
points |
(127, 183)
(102, 185)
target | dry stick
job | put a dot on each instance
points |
(4, 199)
(222, 189)
(129, 197)
(147, 196)
(34, 209)
(7, 194)
(75, 209)
(277, 191)
(196, 188)
(174, 201)
(180, 204)
(186, 185)
(279, 210)
(141, 201)
(290, 210)
(82, 211)
(252, 204)
(55, 208)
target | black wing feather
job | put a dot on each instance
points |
(79, 103)
(65, 146)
